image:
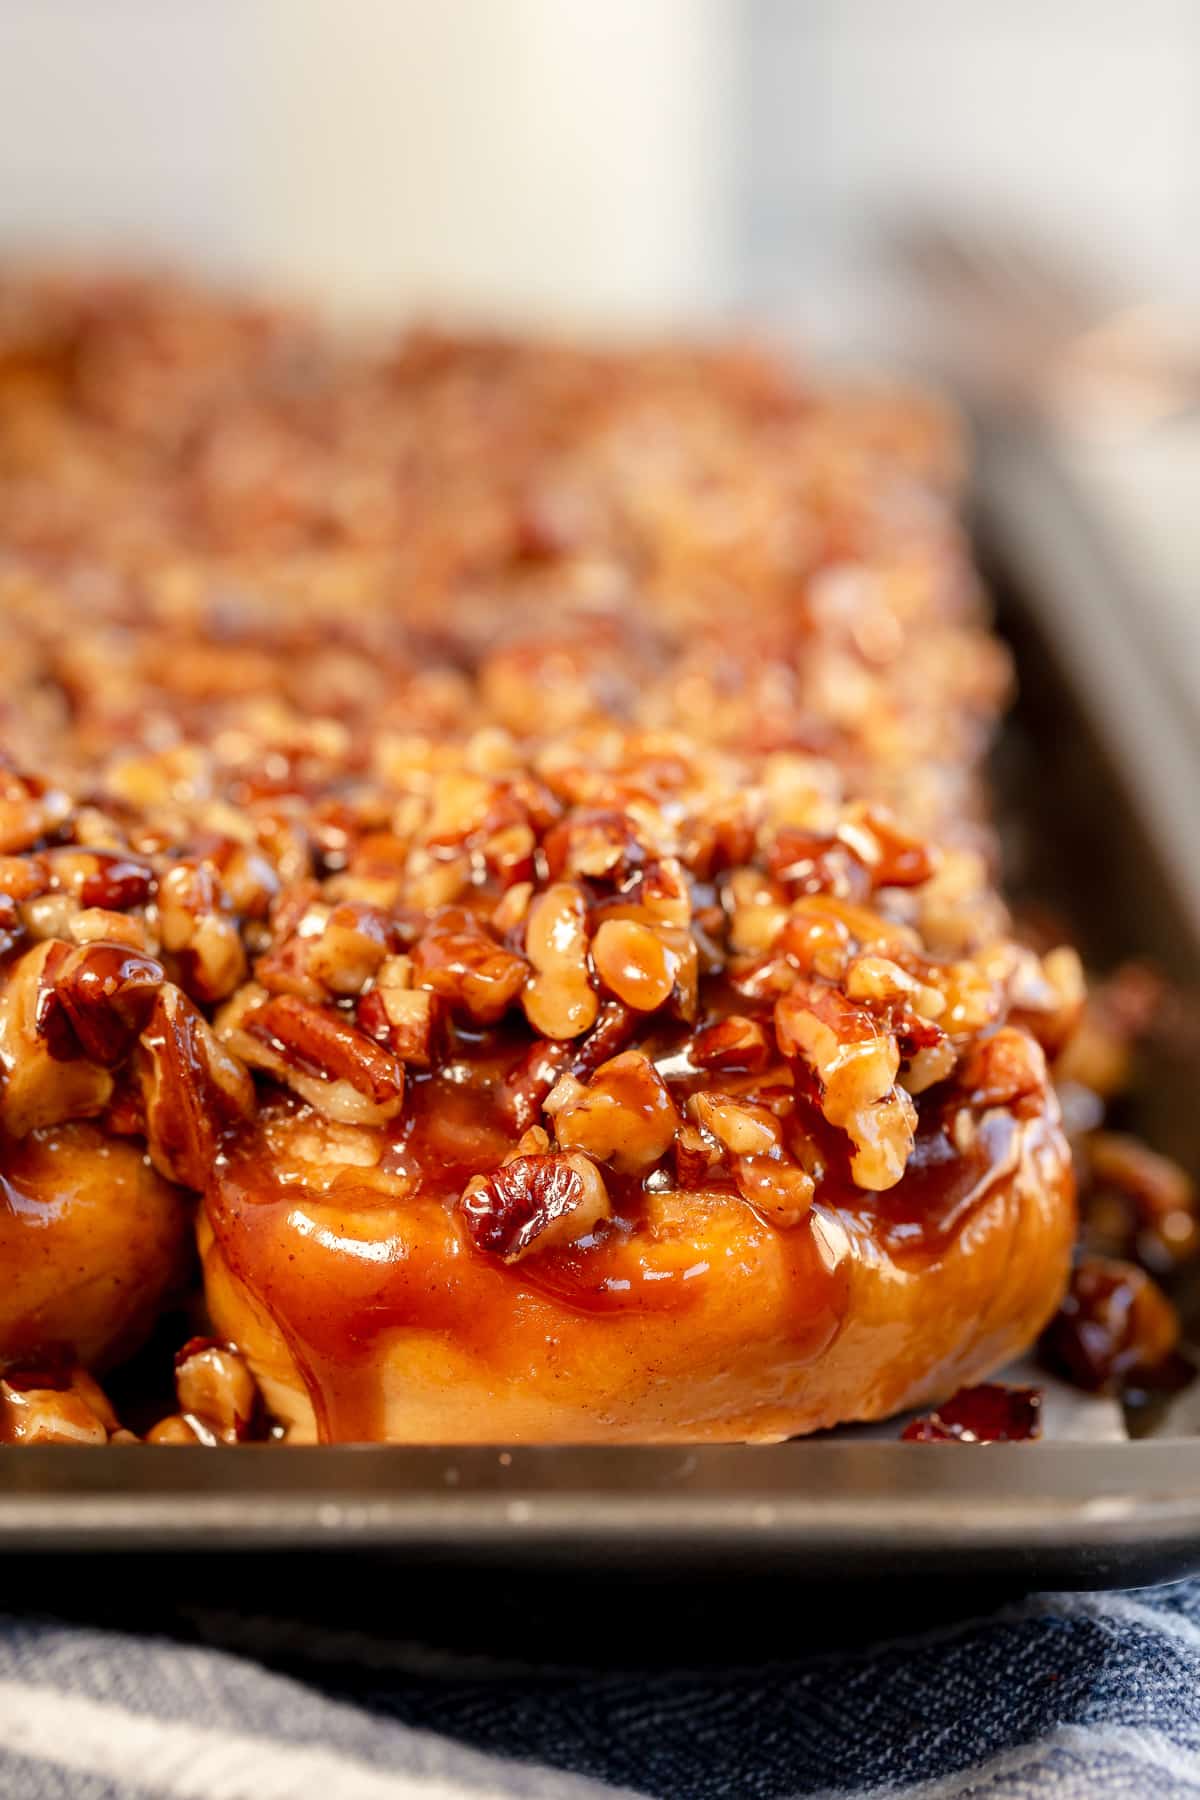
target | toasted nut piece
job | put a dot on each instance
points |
(927, 1066)
(735, 1045)
(96, 925)
(815, 942)
(565, 1092)
(350, 949)
(194, 929)
(193, 1089)
(511, 908)
(594, 842)
(533, 1203)
(1004, 1069)
(559, 1000)
(696, 1155)
(1114, 1321)
(49, 915)
(758, 911)
(624, 1117)
(114, 879)
(894, 857)
(738, 1125)
(458, 960)
(99, 997)
(404, 1018)
(29, 811)
(432, 880)
(856, 1064)
(812, 862)
(174, 1429)
(1047, 995)
(38, 1087)
(53, 1407)
(215, 1387)
(878, 980)
(634, 963)
(328, 1061)
(778, 1188)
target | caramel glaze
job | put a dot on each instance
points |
(92, 1242)
(368, 1315)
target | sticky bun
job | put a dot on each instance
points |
(492, 843)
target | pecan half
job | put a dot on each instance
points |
(322, 1055)
(193, 1090)
(533, 1203)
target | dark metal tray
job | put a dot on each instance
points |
(1104, 771)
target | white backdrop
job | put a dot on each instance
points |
(542, 157)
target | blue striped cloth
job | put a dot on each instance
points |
(1080, 1697)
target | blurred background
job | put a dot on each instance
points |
(618, 164)
(1003, 195)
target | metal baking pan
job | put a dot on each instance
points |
(1103, 766)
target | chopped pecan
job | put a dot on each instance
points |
(325, 1058)
(595, 842)
(1048, 995)
(635, 963)
(38, 1087)
(1004, 1069)
(457, 959)
(1115, 1322)
(559, 999)
(734, 1045)
(757, 908)
(54, 1406)
(349, 949)
(405, 1018)
(775, 1186)
(116, 881)
(625, 1116)
(533, 1203)
(30, 811)
(97, 997)
(95, 925)
(739, 1125)
(894, 857)
(198, 933)
(1153, 1199)
(856, 1064)
(193, 1089)
(807, 862)
(988, 1414)
(217, 1394)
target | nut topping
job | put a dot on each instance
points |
(624, 1117)
(193, 1090)
(533, 1203)
(459, 961)
(559, 999)
(327, 1060)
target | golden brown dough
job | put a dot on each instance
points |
(366, 1314)
(92, 1242)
